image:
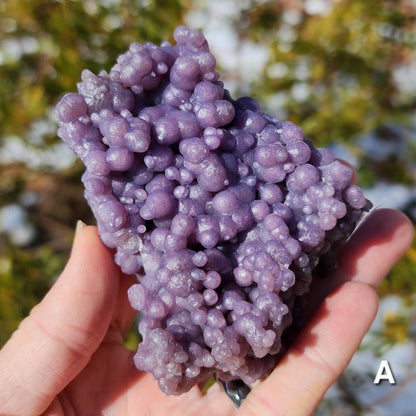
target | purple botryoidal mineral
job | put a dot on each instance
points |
(221, 211)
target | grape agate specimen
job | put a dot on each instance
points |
(221, 211)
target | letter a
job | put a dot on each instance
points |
(384, 373)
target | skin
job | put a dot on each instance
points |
(67, 357)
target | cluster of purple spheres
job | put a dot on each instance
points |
(221, 211)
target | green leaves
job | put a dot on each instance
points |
(345, 59)
(44, 46)
(25, 277)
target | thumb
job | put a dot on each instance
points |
(56, 341)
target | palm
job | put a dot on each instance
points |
(122, 390)
(111, 382)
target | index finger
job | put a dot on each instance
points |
(376, 245)
(380, 240)
(55, 342)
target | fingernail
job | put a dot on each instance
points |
(78, 228)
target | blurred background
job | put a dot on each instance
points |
(344, 70)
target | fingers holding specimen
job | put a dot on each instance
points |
(318, 356)
(56, 341)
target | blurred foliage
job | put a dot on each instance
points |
(340, 74)
(402, 278)
(25, 277)
(337, 68)
(44, 46)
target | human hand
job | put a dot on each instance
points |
(68, 357)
